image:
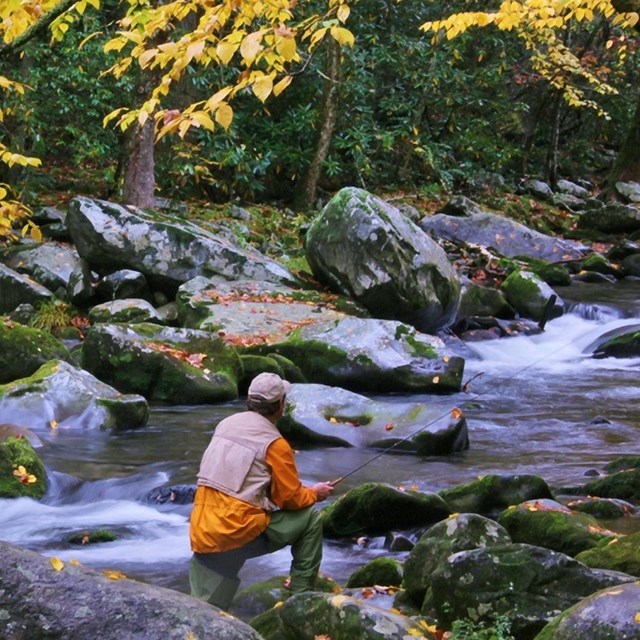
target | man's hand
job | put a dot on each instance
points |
(323, 490)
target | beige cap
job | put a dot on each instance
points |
(268, 387)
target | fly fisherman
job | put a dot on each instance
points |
(250, 501)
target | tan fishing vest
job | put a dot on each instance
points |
(234, 462)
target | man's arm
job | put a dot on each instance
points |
(287, 491)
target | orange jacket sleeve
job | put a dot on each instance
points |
(286, 489)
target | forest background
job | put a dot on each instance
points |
(284, 103)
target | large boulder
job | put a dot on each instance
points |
(44, 598)
(182, 366)
(459, 532)
(318, 414)
(527, 584)
(50, 264)
(491, 494)
(610, 614)
(310, 616)
(60, 396)
(623, 484)
(22, 473)
(507, 237)
(361, 246)
(365, 354)
(546, 523)
(613, 217)
(130, 310)
(23, 350)
(167, 250)
(375, 507)
(16, 289)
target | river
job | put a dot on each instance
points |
(535, 405)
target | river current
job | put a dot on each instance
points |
(535, 405)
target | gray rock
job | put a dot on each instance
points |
(507, 237)
(75, 603)
(16, 289)
(125, 283)
(370, 355)
(538, 188)
(58, 395)
(168, 250)
(49, 264)
(320, 414)
(363, 247)
(573, 189)
(131, 310)
(629, 190)
(610, 614)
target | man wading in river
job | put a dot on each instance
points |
(250, 500)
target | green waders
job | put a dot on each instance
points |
(214, 576)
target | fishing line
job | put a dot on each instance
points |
(464, 388)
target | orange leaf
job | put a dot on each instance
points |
(389, 426)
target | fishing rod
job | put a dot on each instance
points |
(545, 317)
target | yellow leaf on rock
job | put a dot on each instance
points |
(113, 574)
(57, 564)
(637, 618)
(338, 601)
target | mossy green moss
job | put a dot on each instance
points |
(621, 553)
(93, 537)
(623, 484)
(24, 349)
(380, 571)
(562, 531)
(15, 453)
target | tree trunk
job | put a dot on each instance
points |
(627, 164)
(308, 187)
(139, 177)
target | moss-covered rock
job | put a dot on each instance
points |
(625, 462)
(610, 614)
(548, 524)
(529, 295)
(379, 571)
(374, 508)
(623, 484)
(259, 597)
(24, 349)
(309, 616)
(602, 508)
(161, 363)
(60, 395)
(623, 346)
(22, 473)
(620, 553)
(529, 585)
(459, 532)
(364, 354)
(130, 310)
(492, 494)
(92, 537)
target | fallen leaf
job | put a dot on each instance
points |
(113, 574)
(57, 564)
(436, 379)
(389, 426)
(456, 413)
(53, 424)
(637, 618)
(368, 592)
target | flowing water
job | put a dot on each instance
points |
(537, 405)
